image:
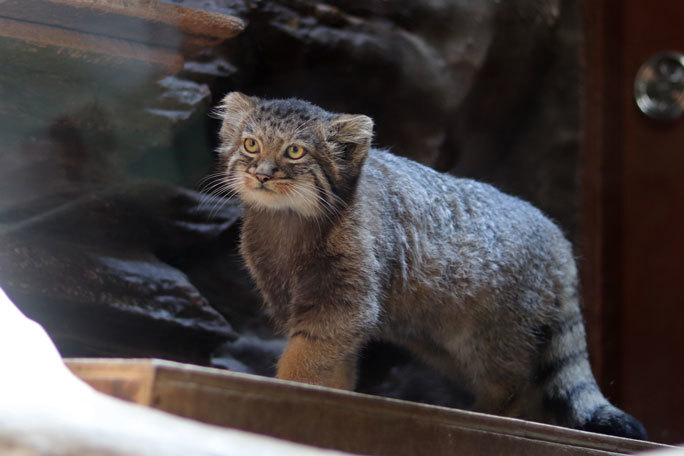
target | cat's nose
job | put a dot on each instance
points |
(265, 170)
(263, 177)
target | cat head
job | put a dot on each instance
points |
(291, 155)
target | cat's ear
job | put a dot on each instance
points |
(232, 111)
(354, 133)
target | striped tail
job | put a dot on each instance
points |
(570, 393)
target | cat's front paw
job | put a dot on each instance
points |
(310, 362)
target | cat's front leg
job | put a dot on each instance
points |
(326, 335)
(319, 360)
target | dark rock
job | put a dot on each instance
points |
(90, 271)
(81, 243)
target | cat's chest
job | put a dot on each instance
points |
(271, 261)
(276, 249)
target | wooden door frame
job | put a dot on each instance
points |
(600, 179)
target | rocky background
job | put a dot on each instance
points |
(107, 239)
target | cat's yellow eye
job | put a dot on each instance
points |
(251, 145)
(295, 152)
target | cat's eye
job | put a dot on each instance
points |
(295, 152)
(251, 145)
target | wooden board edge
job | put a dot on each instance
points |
(191, 21)
(167, 371)
(105, 51)
(130, 381)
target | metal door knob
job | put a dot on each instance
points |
(659, 86)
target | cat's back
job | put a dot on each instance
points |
(455, 227)
(429, 198)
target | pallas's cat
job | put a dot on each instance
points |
(348, 243)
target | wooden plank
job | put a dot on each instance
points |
(77, 54)
(148, 21)
(347, 421)
(117, 43)
(134, 384)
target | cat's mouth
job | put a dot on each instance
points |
(267, 191)
(279, 194)
(272, 184)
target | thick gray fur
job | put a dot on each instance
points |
(478, 283)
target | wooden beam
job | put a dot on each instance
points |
(146, 21)
(337, 419)
(112, 41)
(68, 52)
